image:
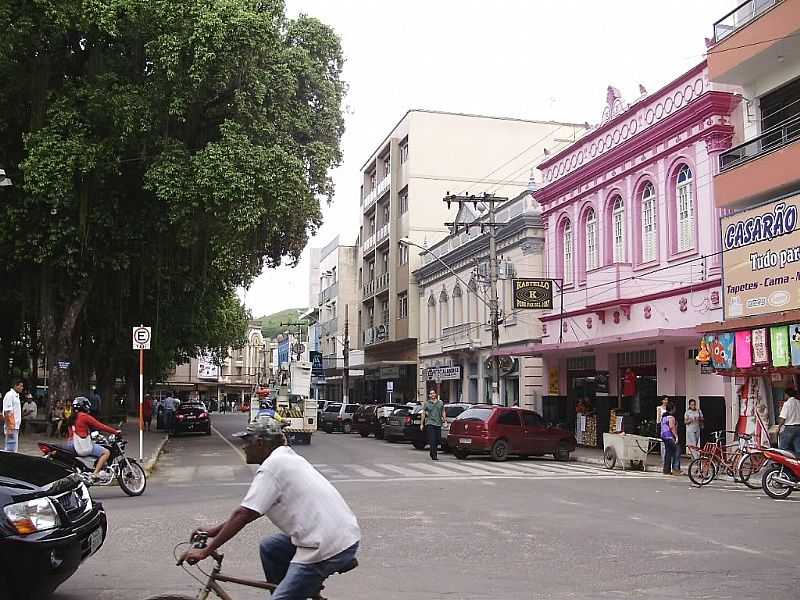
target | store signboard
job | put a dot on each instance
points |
(761, 259)
(533, 293)
(443, 373)
(206, 369)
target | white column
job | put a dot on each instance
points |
(481, 379)
(465, 379)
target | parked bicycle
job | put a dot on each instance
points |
(741, 460)
(216, 576)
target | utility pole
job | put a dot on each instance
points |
(346, 357)
(489, 201)
(300, 338)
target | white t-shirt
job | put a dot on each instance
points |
(303, 505)
(790, 412)
(11, 404)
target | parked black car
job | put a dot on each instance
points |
(402, 419)
(372, 418)
(192, 417)
(49, 525)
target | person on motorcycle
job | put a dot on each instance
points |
(81, 424)
(320, 533)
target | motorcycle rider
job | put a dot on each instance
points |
(320, 533)
(81, 424)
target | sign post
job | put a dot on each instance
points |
(141, 342)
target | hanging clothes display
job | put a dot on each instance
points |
(744, 350)
(779, 344)
(758, 338)
(721, 349)
(795, 343)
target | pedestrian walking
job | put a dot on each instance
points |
(12, 415)
(693, 418)
(147, 411)
(432, 416)
(789, 419)
(29, 412)
(170, 406)
(669, 440)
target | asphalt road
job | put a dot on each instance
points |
(462, 529)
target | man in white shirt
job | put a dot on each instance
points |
(12, 415)
(790, 420)
(170, 407)
(320, 533)
(29, 411)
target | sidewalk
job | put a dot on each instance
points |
(153, 442)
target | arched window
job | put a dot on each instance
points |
(649, 236)
(458, 306)
(566, 241)
(684, 195)
(592, 260)
(431, 318)
(618, 229)
(472, 301)
(444, 310)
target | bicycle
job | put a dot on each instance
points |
(741, 464)
(216, 576)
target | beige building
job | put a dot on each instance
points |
(338, 298)
(454, 334)
(424, 156)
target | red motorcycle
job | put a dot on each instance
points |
(782, 476)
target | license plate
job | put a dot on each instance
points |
(464, 441)
(191, 417)
(95, 540)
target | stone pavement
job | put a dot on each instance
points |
(153, 442)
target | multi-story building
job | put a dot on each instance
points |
(337, 302)
(424, 156)
(455, 333)
(757, 187)
(633, 235)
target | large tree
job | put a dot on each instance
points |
(163, 152)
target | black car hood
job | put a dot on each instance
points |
(21, 474)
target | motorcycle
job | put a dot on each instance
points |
(782, 476)
(120, 468)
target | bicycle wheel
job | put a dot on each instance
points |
(702, 471)
(750, 467)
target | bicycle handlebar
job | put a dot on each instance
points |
(199, 540)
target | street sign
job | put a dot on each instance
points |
(533, 293)
(390, 386)
(141, 338)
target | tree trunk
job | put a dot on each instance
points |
(105, 385)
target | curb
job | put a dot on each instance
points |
(588, 460)
(151, 462)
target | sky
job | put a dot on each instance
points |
(530, 59)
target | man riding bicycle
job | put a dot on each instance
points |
(320, 533)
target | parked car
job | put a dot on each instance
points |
(401, 419)
(192, 417)
(373, 418)
(418, 437)
(48, 526)
(500, 432)
(337, 417)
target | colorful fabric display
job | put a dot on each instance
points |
(779, 344)
(758, 338)
(744, 350)
(794, 341)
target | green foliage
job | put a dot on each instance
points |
(163, 153)
(271, 324)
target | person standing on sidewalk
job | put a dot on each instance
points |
(12, 415)
(790, 420)
(669, 439)
(432, 416)
(147, 411)
(170, 406)
(693, 418)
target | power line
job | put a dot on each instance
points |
(756, 43)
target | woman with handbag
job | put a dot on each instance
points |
(81, 424)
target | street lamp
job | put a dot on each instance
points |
(4, 180)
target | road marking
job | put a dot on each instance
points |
(434, 469)
(365, 471)
(401, 470)
(227, 441)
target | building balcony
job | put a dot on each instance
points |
(368, 245)
(370, 199)
(761, 168)
(368, 289)
(332, 363)
(608, 283)
(464, 336)
(328, 293)
(377, 334)
(382, 283)
(382, 235)
(749, 40)
(383, 186)
(330, 327)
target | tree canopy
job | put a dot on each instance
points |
(163, 152)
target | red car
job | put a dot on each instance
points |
(499, 431)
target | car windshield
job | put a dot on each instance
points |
(453, 411)
(351, 408)
(334, 408)
(475, 414)
(400, 411)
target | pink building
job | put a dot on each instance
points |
(633, 232)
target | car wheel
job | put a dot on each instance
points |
(460, 454)
(208, 431)
(562, 452)
(327, 429)
(347, 427)
(379, 431)
(419, 445)
(500, 451)
(363, 433)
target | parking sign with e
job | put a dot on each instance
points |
(141, 338)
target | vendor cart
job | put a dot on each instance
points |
(631, 451)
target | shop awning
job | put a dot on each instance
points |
(687, 334)
(776, 318)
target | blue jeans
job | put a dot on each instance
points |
(11, 439)
(297, 581)
(670, 450)
(790, 439)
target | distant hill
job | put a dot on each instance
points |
(271, 324)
